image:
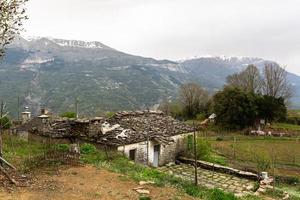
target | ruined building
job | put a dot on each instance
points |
(147, 137)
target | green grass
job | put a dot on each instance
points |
(21, 150)
(279, 194)
(17, 150)
(286, 127)
(117, 163)
(247, 151)
(293, 190)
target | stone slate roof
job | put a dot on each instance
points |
(121, 129)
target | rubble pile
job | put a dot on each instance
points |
(121, 129)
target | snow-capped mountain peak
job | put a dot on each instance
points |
(69, 43)
(78, 43)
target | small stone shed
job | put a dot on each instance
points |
(149, 138)
(146, 137)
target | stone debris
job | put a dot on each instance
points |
(286, 196)
(142, 191)
(121, 129)
(264, 185)
(146, 182)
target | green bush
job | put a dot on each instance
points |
(218, 194)
(110, 114)
(144, 198)
(200, 117)
(87, 148)
(68, 115)
(203, 149)
(262, 160)
(62, 147)
(5, 122)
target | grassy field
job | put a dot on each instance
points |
(286, 127)
(260, 153)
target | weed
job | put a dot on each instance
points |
(87, 148)
(144, 198)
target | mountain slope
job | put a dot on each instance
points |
(212, 72)
(52, 73)
(47, 72)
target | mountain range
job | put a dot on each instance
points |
(52, 73)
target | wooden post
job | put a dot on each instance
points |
(147, 148)
(234, 145)
(105, 148)
(19, 109)
(76, 107)
(1, 130)
(195, 155)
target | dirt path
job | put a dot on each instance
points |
(87, 183)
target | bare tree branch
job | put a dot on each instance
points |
(275, 82)
(193, 98)
(247, 80)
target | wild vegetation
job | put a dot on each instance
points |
(24, 154)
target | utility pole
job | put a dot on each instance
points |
(76, 107)
(1, 129)
(147, 148)
(195, 154)
(19, 109)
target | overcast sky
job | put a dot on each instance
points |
(177, 29)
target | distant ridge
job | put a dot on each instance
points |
(49, 72)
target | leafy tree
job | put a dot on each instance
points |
(68, 114)
(271, 108)
(235, 109)
(12, 15)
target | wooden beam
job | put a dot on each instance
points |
(7, 163)
(8, 176)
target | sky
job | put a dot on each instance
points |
(176, 29)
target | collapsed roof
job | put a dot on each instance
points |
(121, 129)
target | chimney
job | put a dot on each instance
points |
(26, 115)
(43, 111)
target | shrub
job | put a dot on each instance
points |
(88, 148)
(110, 114)
(5, 122)
(62, 147)
(203, 149)
(144, 198)
(68, 115)
(220, 195)
(262, 160)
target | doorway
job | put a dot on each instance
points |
(132, 153)
(156, 155)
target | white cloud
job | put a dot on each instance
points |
(177, 29)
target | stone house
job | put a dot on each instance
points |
(149, 138)
(146, 137)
